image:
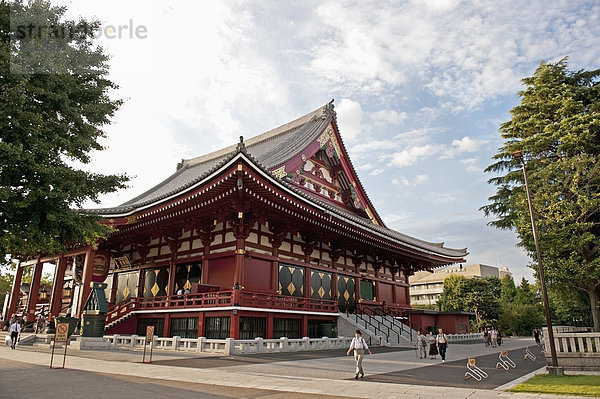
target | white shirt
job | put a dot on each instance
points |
(359, 343)
(15, 327)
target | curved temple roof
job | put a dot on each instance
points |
(268, 151)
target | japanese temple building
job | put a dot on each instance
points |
(270, 237)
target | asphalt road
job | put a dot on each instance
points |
(24, 381)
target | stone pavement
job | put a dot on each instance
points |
(320, 374)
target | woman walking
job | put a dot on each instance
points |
(432, 346)
(359, 345)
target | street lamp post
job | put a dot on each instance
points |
(554, 369)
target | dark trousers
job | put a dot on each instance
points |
(13, 339)
(442, 348)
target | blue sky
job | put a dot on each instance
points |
(420, 88)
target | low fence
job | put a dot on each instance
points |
(576, 350)
(465, 337)
(229, 346)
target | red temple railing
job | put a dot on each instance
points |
(220, 299)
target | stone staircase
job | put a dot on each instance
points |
(388, 329)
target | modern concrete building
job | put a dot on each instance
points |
(427, 287)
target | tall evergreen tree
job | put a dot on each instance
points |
(54, 102)
(507, 289)
(557, 127)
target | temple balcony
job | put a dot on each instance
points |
(215, 301)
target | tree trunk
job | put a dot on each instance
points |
(594, 294)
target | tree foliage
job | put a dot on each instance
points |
(54, 102)
(508, 291)
(557, 127)
(569, 306)
(522, 310)
(473, 295)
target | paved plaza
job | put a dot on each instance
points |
(390, 373)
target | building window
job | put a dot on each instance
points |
(184, 327)
(156, 282)
(186, 275)
(291, 280)
(322, 328)
(217, 327)
(346, 299)
(290, 328)
(367, 290)
(127, 286)
(159, 326)
(320, 285)
(252, 327)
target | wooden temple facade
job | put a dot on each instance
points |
(271, 237)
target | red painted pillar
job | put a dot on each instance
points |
(234, 327)
(307, 272)
(34, 290)
(304, 326)
(172, 268)
(114, 287)
(334, 291)
(15, 294)
(394, 287)
(239, 260)
(167, 329)
(275, 275)
(141, 280)
(57, 287)
(201, 325)
(86, 278)
(269, 332)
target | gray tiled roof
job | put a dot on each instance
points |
(270, 150)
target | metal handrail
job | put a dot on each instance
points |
(366, 310)
(376, 328)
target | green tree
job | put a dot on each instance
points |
(526, 293)
(557, 127)
(507, 290)
(54, 102)
(473, 295)
(524, 312)
(6, 280)
(569, 305)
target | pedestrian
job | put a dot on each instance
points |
(499, 338)
(494, 336)
(441, 342)
(486, 337)
(536, 336)
(421, 344)
(432, 347)
(359, 345)
(15, 331)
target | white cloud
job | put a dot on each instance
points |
(465, 53)
(466, 144)
(394, 217)
(387, 117)
(417, 180)
(470, 165)
(349, 115)
(376, 172)
(412, 155)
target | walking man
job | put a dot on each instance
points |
(494, 335)
(15, 330)
(442, 343)
(421, 344)
(359, 345)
